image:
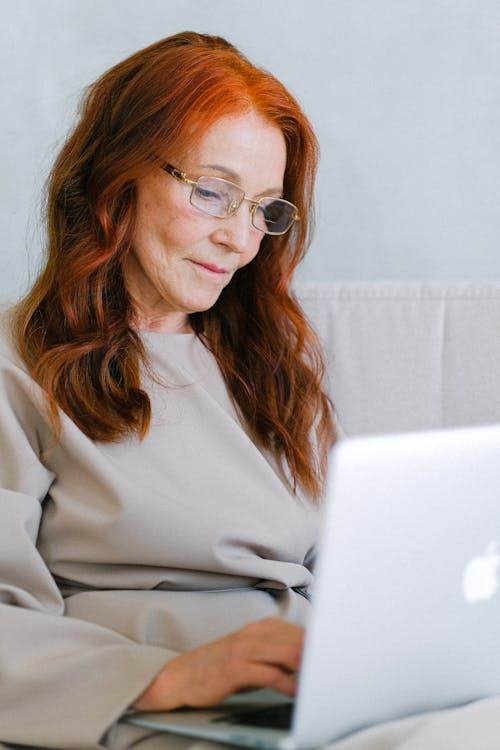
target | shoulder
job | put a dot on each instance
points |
(22, 402)
(16, 383)
(9, 355)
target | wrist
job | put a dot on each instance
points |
(163, 692)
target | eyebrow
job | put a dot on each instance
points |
(237, 179)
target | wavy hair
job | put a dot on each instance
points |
(75, 327)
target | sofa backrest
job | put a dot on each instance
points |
(408, 355)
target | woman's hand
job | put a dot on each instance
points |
(262, 654)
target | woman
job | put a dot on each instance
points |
(164, 433)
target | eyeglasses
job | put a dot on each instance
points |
(222, 198)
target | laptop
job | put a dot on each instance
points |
(406, 604)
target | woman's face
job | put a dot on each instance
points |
(182, 258)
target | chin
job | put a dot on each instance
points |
(202, 305)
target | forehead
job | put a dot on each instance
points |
(247, 149)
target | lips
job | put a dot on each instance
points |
(210, 267)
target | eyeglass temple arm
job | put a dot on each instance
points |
(181, 176)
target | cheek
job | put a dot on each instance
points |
(185, 225)
(252, 251)
(163, 215)
(166, 232)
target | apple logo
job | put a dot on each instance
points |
(480, 578)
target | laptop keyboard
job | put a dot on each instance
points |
(275, 717)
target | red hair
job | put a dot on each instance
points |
(74, 327)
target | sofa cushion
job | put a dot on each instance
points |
(409, 355)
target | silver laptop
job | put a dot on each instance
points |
(406, 605)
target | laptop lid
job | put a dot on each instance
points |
(405, 601)
(406, 606)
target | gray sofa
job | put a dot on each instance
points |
(407, 355)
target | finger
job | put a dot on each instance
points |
(265, 676)
(282, 649)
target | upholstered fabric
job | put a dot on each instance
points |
(407, 355)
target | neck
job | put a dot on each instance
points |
(171, 323)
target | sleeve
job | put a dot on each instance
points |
(63, 681)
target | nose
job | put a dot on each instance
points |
(237, 231)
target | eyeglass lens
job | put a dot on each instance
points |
(222, 198)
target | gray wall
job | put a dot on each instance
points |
(404, 95)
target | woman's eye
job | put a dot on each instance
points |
(207, 194)
(272, 211)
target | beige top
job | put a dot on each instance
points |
(115, 557)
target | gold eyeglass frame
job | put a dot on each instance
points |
(234, 205)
